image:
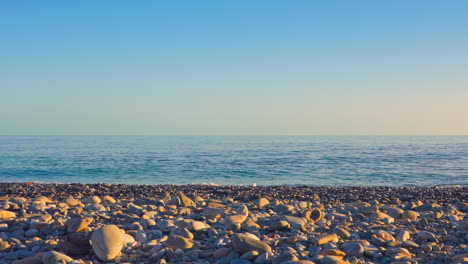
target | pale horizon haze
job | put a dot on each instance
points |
(234, 67)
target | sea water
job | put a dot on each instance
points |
(247, 160)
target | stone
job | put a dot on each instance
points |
(4, 246)
(78, 224)
(107, 242)
(234, 219)
(7, 215)
(325, 239)
(42, 199)
(196, 226)
(333, 252)
(316, 215)
(403, 236)
(410, 215)
(187, 202)
(342, 233)
(178, 242)
(279, 226)
(221, 252)
(284, 258)
(243, 243)
(53, 257)
(91, 200)
(76, 244)
(108, 199)
(353, 249)
(72, 202)
(262, 202)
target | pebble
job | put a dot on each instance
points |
(107, 242)
(243, 243)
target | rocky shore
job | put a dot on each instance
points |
(103, 223)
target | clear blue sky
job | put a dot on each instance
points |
(233, 67)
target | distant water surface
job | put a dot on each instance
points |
(309, 160)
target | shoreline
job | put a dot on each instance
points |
(43, 223)
(243, 192)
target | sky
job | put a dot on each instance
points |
(234, 67)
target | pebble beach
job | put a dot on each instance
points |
(116, 223)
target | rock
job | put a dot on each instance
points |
(332, 260)
(178, 242)
(353, 249)
(76, 244)
(107, 242)
(262, 202)
(53, 257)
(284, 258)
(234, 219)
(213, 212)
(250, 255)
(108, 199)
(7, 215)
(91, 200)
(294, 221)
(325, 239)
(243, 243)
(42, 199)
(410, 215)
(221, 252)
(403, 236)
(333, 252)
(196, 226)
(279, 226)
(187, 202)
(4, 246)
(343, 233)
(316, 215)
(184, 232)
(72, 202)
(78, 224)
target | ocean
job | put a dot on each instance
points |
(238, 160)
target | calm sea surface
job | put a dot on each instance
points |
(354, 160)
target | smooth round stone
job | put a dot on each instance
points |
(353, 249)
(221, 252)
(403, 236)
(178, 242)
(95, 207)
(78, 224)
(243, 210)
(7, 215)
(196, 226)
(284, 258)
(91, 200)
(262, 202)
(42, 199)
(333, 252)
(250, 255)
(184, 232)
(343, 233)
(108, 199)
(53, 257)
(107, 242)
(262, 258)
(234, 219)
(72, 202)
(279, 225)
(31, 232)
(141, 236)
(327, 238)
(243, 243)
(332, 260)
(410, 215)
